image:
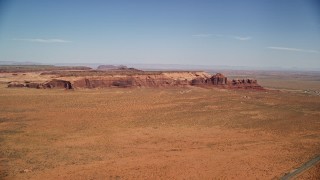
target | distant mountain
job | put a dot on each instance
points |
(169, 66)
(111, 67)
(215, 67)
(92, 65)
(19, 63)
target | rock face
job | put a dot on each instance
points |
(200, 81)
(245, 84)
(128, 81)
(102, 82)
(142, 79)
(15, 85)
(55, 83)
(219, 80)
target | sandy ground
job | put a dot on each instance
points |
(189, 133)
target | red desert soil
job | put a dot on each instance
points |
(156, 133)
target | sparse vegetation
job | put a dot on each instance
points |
(136, 133)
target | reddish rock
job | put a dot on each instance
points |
(34, 85)
(218, 79)
(56, 83)
(15, 85)
(199, 81)
(152, 79)
(244, 84)
(128, 81)
(123, 83)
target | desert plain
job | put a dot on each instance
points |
(160, 133)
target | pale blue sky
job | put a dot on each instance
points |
(261, 33)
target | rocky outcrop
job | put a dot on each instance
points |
(129, 81)
(103, 82)
(55, 83)
(15, 85)
(219, 80)
(199, 81)
(35, 85)
(245, 84)
(145, 79)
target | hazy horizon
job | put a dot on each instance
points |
(284, 34)
(148, 66)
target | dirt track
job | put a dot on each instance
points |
(296, 172)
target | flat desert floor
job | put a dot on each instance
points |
(145, 133)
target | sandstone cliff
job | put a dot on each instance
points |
(54, 83)
(92, 79)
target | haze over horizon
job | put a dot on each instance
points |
(249, 33)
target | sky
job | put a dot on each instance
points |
(254, 33)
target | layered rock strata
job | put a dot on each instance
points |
(167, 79)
